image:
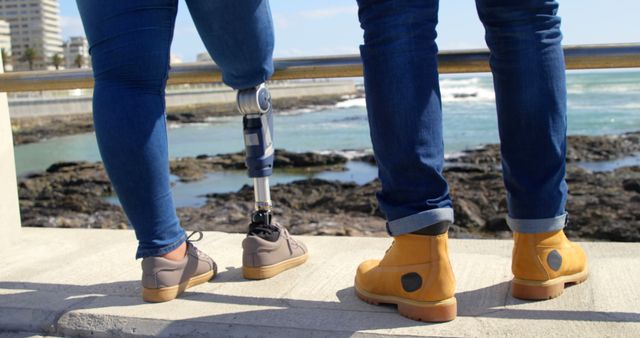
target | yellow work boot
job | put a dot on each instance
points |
(415, 274)
(544, 263)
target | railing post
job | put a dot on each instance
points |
(9, 207)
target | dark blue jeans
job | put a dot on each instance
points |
(130, 46)
(405, 114)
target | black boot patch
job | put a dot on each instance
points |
(411, 282)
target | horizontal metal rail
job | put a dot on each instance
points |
(465, 61)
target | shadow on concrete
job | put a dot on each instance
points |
(344, 317)
(485, 302)
(37, 307)
(231, 274)
(63, 292)
(495, 301)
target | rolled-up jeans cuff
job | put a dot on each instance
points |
(536, 226)
(418, 221)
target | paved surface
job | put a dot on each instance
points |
(65, 282)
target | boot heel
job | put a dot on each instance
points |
(536, 292)
(433, 313)
(541, 290)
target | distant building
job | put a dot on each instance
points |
(35, 24)
(204, 57)
(5, 42)
(173, 59)
(76, 52)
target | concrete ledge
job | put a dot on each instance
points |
(86, 283)
(9, 208)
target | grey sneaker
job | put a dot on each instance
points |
(164, 280)
(268, 251)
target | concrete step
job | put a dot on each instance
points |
(75, 282)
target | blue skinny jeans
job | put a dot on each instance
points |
(130, 47)
(405, 113)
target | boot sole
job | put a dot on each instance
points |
(169, 293)
(541, 290)
(268, 271)
(433, 312)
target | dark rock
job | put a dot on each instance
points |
(497, 224)
(465, 168)
(368, 158)
(468, 214)
(60, 166)
(631, 184)
(464, 95)
(602, 205)
(186, 118)
(602, 148)
(579, 149)
(191, 169)
(286, 159)
(37, 128)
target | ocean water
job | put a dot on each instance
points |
(600, 102)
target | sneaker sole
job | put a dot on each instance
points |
(433, 312)
(268, 271)
(541, 290)
(171, 292)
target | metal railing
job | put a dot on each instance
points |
(464, 61)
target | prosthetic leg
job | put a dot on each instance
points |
(268, 249)
(257, 126)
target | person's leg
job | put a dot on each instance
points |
(239, 37)
(129, 44)
(405, 115)
(403, 103)
(529, 79)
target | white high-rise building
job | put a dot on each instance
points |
(5, 42)
(76, 52)
(35, 24)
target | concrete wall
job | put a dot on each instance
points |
(9, 208)
(20, 107)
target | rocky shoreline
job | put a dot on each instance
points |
(37, 128)
(601, 205)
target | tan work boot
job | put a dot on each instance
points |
(164, 279)
(544, 263)
(270, 250)
(415, 274)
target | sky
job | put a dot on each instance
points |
(330, 27)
